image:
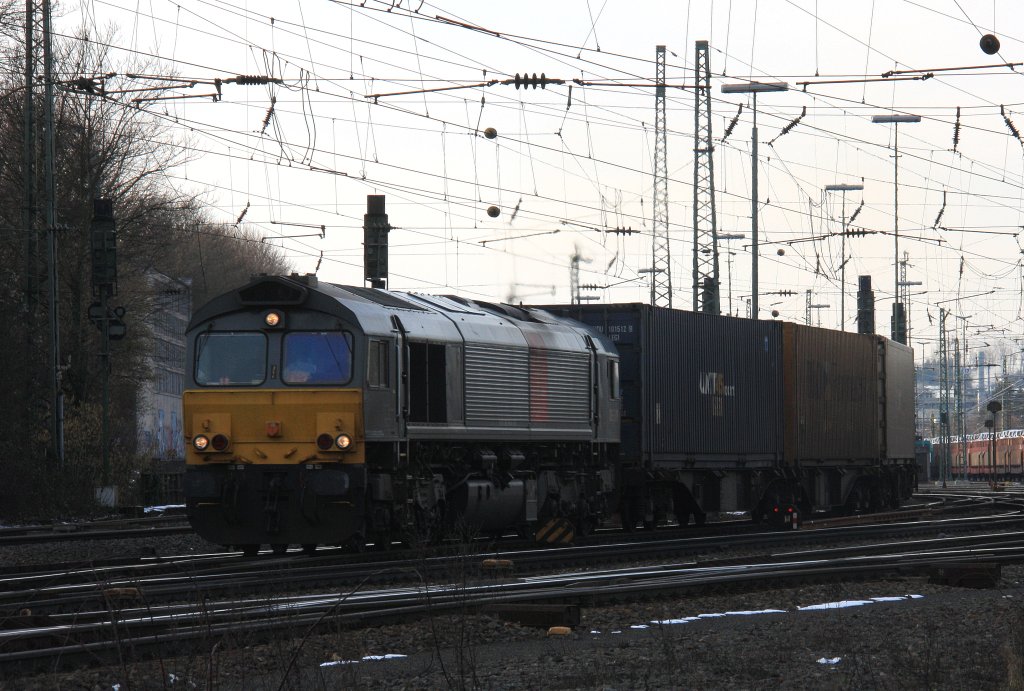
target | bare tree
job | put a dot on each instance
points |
(106, 148)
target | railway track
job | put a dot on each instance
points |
(126, 617)
(174, 524)
(91, 613)
(164, 579)
(171, 576)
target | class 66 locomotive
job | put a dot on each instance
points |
(320, 414)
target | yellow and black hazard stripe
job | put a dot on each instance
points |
(557, 531)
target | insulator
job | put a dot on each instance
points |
(956, 129)
(493, 211)
(735, 119)
(251, 80)
(856, 213)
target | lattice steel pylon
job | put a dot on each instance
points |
(944, 435)
(706, 286)
(661, 266)
(961, 430)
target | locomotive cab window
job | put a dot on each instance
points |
(613, 378)
(231, 358)
(317, 357)
(377, 365)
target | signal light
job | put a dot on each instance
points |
(220, 442)
(200, 442)
(324, 442)
(343, 441)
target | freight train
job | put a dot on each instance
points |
(971, 456)
(324, 414)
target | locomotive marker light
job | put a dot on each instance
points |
(324, 442)
(200, 442)
(220, 442)
(344, 442)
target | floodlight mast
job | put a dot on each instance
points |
(844, 188)
(898, 308)
(753, 88)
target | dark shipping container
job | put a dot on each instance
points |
(707, 391)
(699, 390)
(831, 395)
(899, 401)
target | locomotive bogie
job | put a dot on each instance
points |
(245, 504)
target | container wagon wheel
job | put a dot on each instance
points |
(630, 512)
(686, 506)
(279, 548)
(382, 540)
(250, 550)
(309, 548)
(859, 499)
(355, 544)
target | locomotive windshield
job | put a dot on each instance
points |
(231, 359)
(317, 357)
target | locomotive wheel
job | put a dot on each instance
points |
(356, 544)
(626, 517)
(250, 550)
(585, 526)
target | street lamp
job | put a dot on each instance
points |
(899, 333)
(731, 236)
(844, 188)
(753, 88)
(650, 271)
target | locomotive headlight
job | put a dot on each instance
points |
(272, 319)
(200, 442)
(344, 442)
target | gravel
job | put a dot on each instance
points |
(948, 638)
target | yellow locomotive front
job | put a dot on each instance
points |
(273, 419)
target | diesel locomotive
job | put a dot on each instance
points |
(317, 413)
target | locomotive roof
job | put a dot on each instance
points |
(438, 318)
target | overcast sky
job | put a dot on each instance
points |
(567, 169)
